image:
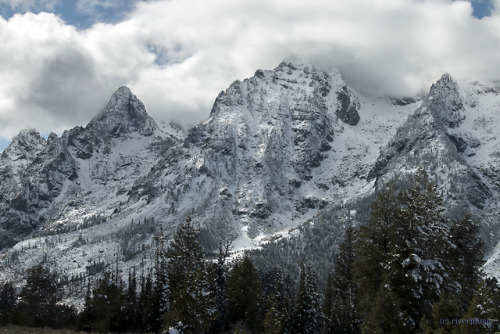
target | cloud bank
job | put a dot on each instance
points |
(177, 55)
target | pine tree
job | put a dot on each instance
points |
(132, 301)
(406, 243)
(38, 298)
(218, 287)
(485, 305)
(343, 305)
(447, 307)
(146, 313)
(161, 295)
(417, 260)
(307, 316)
(387, 316)
(374, 245)
(87, 316)
(279, 314)
(8, 304)
(191, 305)
(244, 293)
(107, 300)
(465, 259)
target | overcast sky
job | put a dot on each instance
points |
(62, 59)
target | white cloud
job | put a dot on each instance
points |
(177, 55)
(26, 5)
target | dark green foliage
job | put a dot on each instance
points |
(244, 293)
(160, 298)
(7, 304)
(86, 317)
(409, 257)
(146, 314)
(191, 305)
(132, 304)
(447, 307)
(108, 299)
(340, 304)
(465, 259)
(307, 316)
(485, 305)
(218, 287)
(387, 316)
(38, 301)
(279, 314)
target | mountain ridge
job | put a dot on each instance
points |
(277, 150)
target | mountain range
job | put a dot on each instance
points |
(277, 150)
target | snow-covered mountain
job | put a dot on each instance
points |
(277, 149)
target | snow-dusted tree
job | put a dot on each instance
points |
(406, 243)
(465, 258)
(218, 274)
(341, 310)
(39, 297)
(307, 315)
(191, 306)
(418, 248)
(387, 315)
(485, 305)
(277, 320)
(108, 298)
(161, 289)
(244, 293)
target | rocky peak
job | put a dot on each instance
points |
(123, 114)
(445, 102)
(25, 146)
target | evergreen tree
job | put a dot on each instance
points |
(8, 304)
(387, 316)
(342, 309)
(86, 317)
(244, 293)
(38, 298)
(405, 243)
(106, 305)
(192, 306)
(161, 294)
(278, 316)
(146, 314)
(218, 287)
(374, 244)
(328, 304)
(132, 301)
(307, 316)
(447, 307)
(485, 305)
(465, 260)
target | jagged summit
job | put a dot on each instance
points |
(445, 102)
(123, 114)
(25, 145)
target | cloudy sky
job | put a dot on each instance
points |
(61, 60)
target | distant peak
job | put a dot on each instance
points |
(445, 101)
(28, 133)
(28, 140)
(123, 90)
(445, 82)
(124, 113)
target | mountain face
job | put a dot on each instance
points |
(277, 149)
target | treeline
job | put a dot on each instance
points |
(407, 270)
